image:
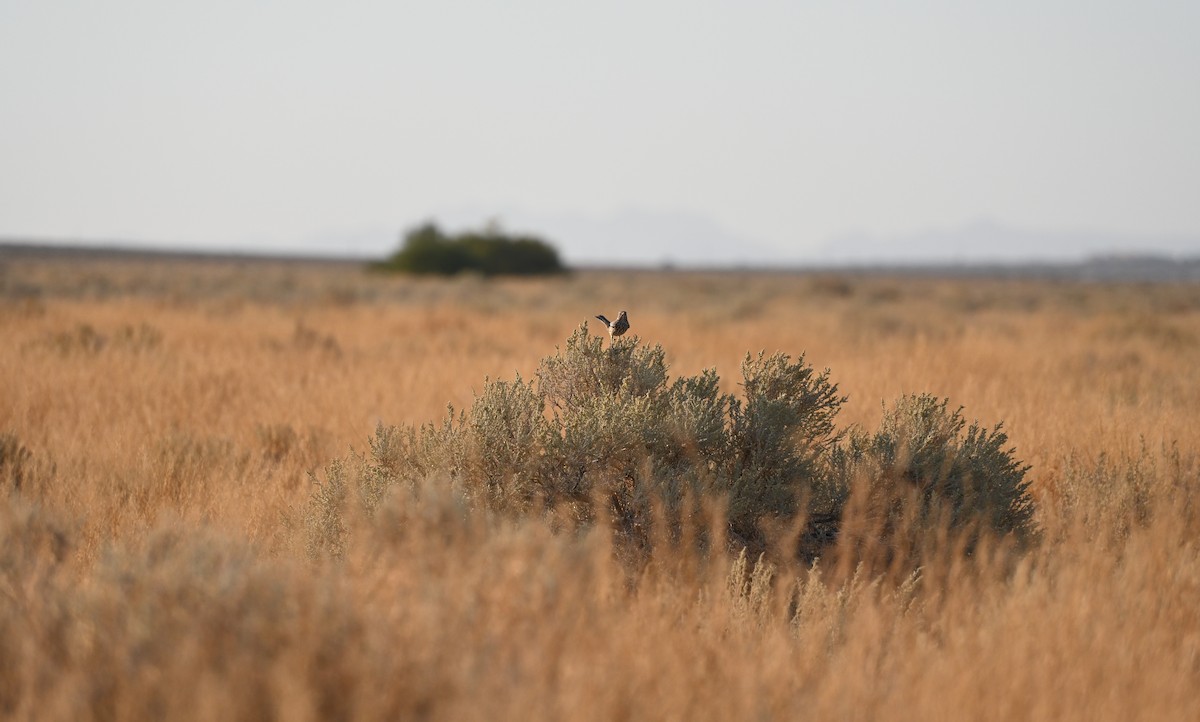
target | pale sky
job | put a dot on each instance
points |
(259, 125)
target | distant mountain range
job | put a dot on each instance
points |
(991, 242)
(632, 236)
(643, 237)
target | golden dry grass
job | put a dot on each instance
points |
(170, 416)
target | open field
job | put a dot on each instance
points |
(164, 423)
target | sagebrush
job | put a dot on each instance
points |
(605, 431)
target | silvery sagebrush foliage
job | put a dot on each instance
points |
(605, 432)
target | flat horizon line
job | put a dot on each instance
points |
(1188, 267)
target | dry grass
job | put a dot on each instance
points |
(160, 424)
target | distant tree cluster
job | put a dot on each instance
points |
(491, 252)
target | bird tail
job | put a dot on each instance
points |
(605, 320)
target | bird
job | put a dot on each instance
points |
(618, 327)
